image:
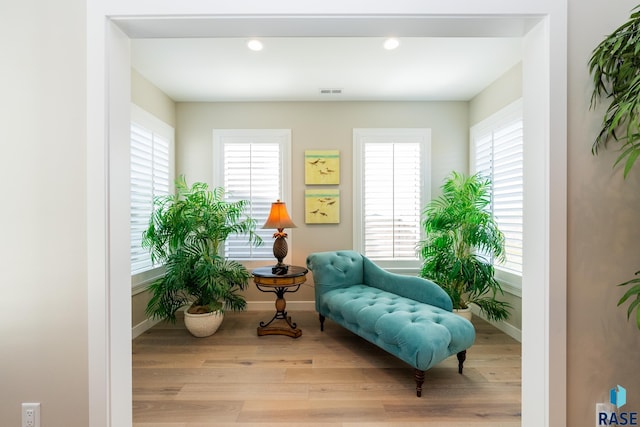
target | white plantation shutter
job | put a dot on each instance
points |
(498, 155)
(141, 194)
(391, 175)
(484, 153)
(253, 165)
(151, 175)
(507, 202)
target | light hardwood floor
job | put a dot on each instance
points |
(328, 379)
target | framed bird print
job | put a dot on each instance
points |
(321, 167)
(322, 206)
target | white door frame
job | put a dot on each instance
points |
(544, 90)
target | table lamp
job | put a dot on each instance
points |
(279, 219)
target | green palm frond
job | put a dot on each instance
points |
(633, 292)
(493, 308)
(459, 233)
(615, 69)
(186, 232)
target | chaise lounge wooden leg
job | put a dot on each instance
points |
(419, 376)
(321, 317)
(462, 356)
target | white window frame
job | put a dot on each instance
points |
(283, 138)
(362, 136)
(510, 281)
(153, 124)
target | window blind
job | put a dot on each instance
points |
(392, 189)
(391, 186)
(150, 177)
(499, 156)
(254, 165)
(252, 172)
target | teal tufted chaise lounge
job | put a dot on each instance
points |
(407, 316)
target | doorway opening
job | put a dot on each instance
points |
(540, 244)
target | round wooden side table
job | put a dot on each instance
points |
(279, 284)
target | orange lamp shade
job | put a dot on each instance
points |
(278, 217)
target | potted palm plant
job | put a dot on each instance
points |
(186, 233)
(461, 238)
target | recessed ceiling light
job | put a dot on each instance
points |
(391, 44)
(255, 45)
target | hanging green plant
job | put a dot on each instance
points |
(633, 292)
(615, 67)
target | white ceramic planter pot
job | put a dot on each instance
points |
(203, 325)
(464, 312)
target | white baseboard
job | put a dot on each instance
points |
(143, 326)
(147, 324)
(505, 327)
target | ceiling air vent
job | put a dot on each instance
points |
(330, 91)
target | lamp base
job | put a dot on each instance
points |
(280, 250)
(280, 269)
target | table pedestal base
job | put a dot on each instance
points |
(281, 323)
(280, 327)
(267, 281)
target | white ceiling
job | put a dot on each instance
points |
(297, 68)
(439, 57)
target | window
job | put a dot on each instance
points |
(391, 187)
(152, 154)
(254, 165)
(497, 153)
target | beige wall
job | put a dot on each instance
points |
(43, 249)
(139, 319)
(499, 94)
(603, 234)
(151, 99)
(320, 125)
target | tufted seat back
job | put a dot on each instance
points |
(333, 270)
(338, 269)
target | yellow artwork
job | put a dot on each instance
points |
(322, 206)
(321, 167)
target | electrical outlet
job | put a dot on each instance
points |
(30, 415)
